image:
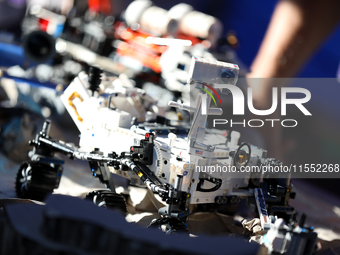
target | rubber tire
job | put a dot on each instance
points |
(107, 199)
(35, 180)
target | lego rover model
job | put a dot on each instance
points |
(122, 133)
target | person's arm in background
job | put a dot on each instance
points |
(296, 30)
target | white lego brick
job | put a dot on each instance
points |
(89, 111)
(212, 72)
(130, 105)
(72, 98)
(87, 140)
(112, 119)
(94, 138)
(234, 137)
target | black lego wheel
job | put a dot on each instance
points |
(35, 180)
(107, 199)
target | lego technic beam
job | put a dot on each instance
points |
(135, 160)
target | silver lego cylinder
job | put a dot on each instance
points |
(46, 128)
(178, 182)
